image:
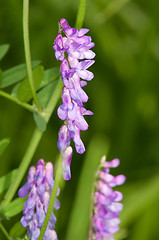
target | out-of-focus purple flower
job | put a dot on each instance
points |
(107, 207)
(70, 50)
(39, 185)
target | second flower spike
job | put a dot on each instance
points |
(106, 202)
(39, 185)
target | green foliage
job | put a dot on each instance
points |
(17, 230)
(13, 208)
(49, 76)
(15, 74)
(3, 50)
(16, 238)
(1, 77)
(6, 180)
(40, 121)
(24, 92)
(3, 144)
(44, 96)
(144, 227)
(138, 199)
(2, 217)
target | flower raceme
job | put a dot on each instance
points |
(73, 50)
(107, 206)
(39, 185)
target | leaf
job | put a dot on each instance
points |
(40, 122)
(81, 206)
(15, 90)
(49, 76)
(17, 230)
(6, 180)
(1, 76)
(45, 94)
(3, 144)
(3, 217)
(3, 50)
(24, 91)
(16, 74)
(13, 208)
(16, 238)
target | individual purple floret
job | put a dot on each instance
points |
(73, 50)
(107, 206)
(39, 186)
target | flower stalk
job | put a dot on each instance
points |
(80, 14)
(5, 232)
(27, 52)
(16, 100)
(52, 199)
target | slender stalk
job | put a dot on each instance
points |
(16, 100)
(81, 14)
(53, 101)
(4, 232)
(52, 199)
(27, 52)
(37, 135)
(92, 204)
(91, 214)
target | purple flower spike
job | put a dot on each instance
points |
(106, 207)
(40, 184)
(70, 50)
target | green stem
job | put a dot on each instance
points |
(81, 14)
(53, 101)
(16, 100)
(91, 214)
(23, 166)
(4, 232)
(52, 199)
(92, 203)
(27, 52)
(32, 147)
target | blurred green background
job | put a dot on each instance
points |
(124, 96)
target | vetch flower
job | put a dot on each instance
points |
(107, 206)
(73, 50)
(39, 186)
